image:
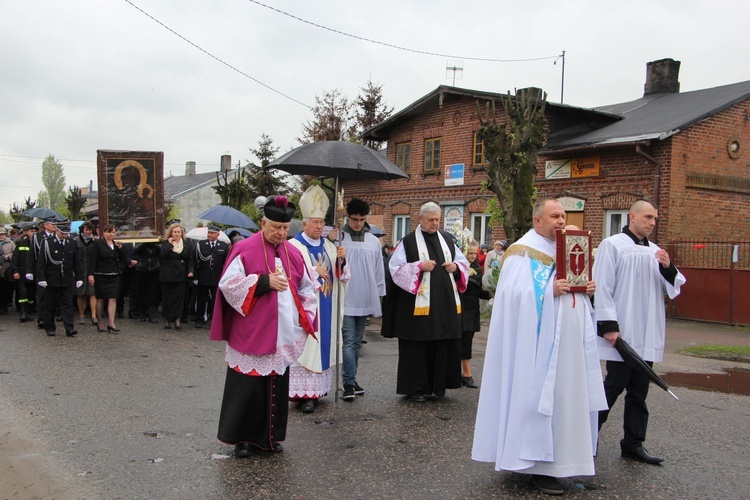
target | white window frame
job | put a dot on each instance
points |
(484, 220)
(609, 230)
(401, 225)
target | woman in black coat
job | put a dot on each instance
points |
(176, 267)
(105, 255)
(148, 263)
(470, 313)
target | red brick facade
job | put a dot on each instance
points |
(693, 202)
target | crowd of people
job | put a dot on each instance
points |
(52, 273)
(291, 309)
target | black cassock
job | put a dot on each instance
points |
(429, 348)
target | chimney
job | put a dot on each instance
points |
(190, 168)
(533, 92)
(226, 163)
(662, 77)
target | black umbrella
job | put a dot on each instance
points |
(631, 358)
(44, 213)
(338, 159)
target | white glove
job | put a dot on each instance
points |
(43, 284)
(30, 277)
(79, 284)
(195, 282)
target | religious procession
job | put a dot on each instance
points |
(292, 308)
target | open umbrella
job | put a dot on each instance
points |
(244, 232)
(43, 213)
(228, 216)
(339, 160)
(632, 359)
(201, 233)
(376, 231)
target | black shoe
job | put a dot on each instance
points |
(307, 406)
(641, 455)
(40, 325)
(100, 329)
(143, 319)
(94, 321)
(243, 450)
(112, 329)
(51, 333)
(469, 382)
(277, 448)
(72, 334)
(546, 484)
(167, 326)
(358, 391)
(417, 398)
(364, 341)
(178, 327)
(348, 392)
(200, 325)
(58, 318)
(132, 315)
(152, 320)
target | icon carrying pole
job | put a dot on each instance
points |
(338, 204)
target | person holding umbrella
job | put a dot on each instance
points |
(633, 275)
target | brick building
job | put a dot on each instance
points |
(683, 150)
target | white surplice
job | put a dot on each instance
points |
(621, 268)
(541, 384)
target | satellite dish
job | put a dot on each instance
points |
(259, 202)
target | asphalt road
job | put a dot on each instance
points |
(135, 415)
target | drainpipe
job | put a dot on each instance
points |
(657, 177)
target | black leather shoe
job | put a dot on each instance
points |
(469, 382)
(51, 333)
(112, 329)
(277, 448)
(200, 325)
(152, 320)
(72, 334)
(547, 484)
(417, 398)
(243, 450)
(641, 455)
(307, 406)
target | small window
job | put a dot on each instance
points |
(479, 159)
(403, 156)
(614, 221)
(480, 227)
(432, 155)
(400, 227)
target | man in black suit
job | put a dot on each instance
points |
(46, 230)
(210, 256)
(59, 273)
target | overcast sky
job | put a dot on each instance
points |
(82, 75)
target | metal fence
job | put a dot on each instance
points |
(710, 254)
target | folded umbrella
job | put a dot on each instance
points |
(632, 359)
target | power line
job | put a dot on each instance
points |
(215, 57)
(406, 49)
(2, 158)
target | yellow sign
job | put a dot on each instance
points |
(585, 167)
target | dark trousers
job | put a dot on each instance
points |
(127, 289)
(205, 296)
(62, 297)
(621, 377)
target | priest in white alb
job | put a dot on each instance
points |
(542, 386)
(310, 377)
(265, 311)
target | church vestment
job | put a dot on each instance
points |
(266, 331)
(423, 310)
(310, 377)
(542, 386)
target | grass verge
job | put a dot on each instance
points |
(726, 352)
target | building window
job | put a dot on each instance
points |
(480, 228)
(614, 221)
(432, 155)
(479, 159)
(403, 156)
(400, 227)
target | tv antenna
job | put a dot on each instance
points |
(456, 69)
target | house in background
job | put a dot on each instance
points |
(685, 151)
(192, 194)
(682, 150)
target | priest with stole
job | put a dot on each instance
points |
(265, 310)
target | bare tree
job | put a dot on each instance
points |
(332, 119)
(511, 151)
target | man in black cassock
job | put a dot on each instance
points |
(422, 308)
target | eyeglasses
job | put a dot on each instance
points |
(357, 219)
